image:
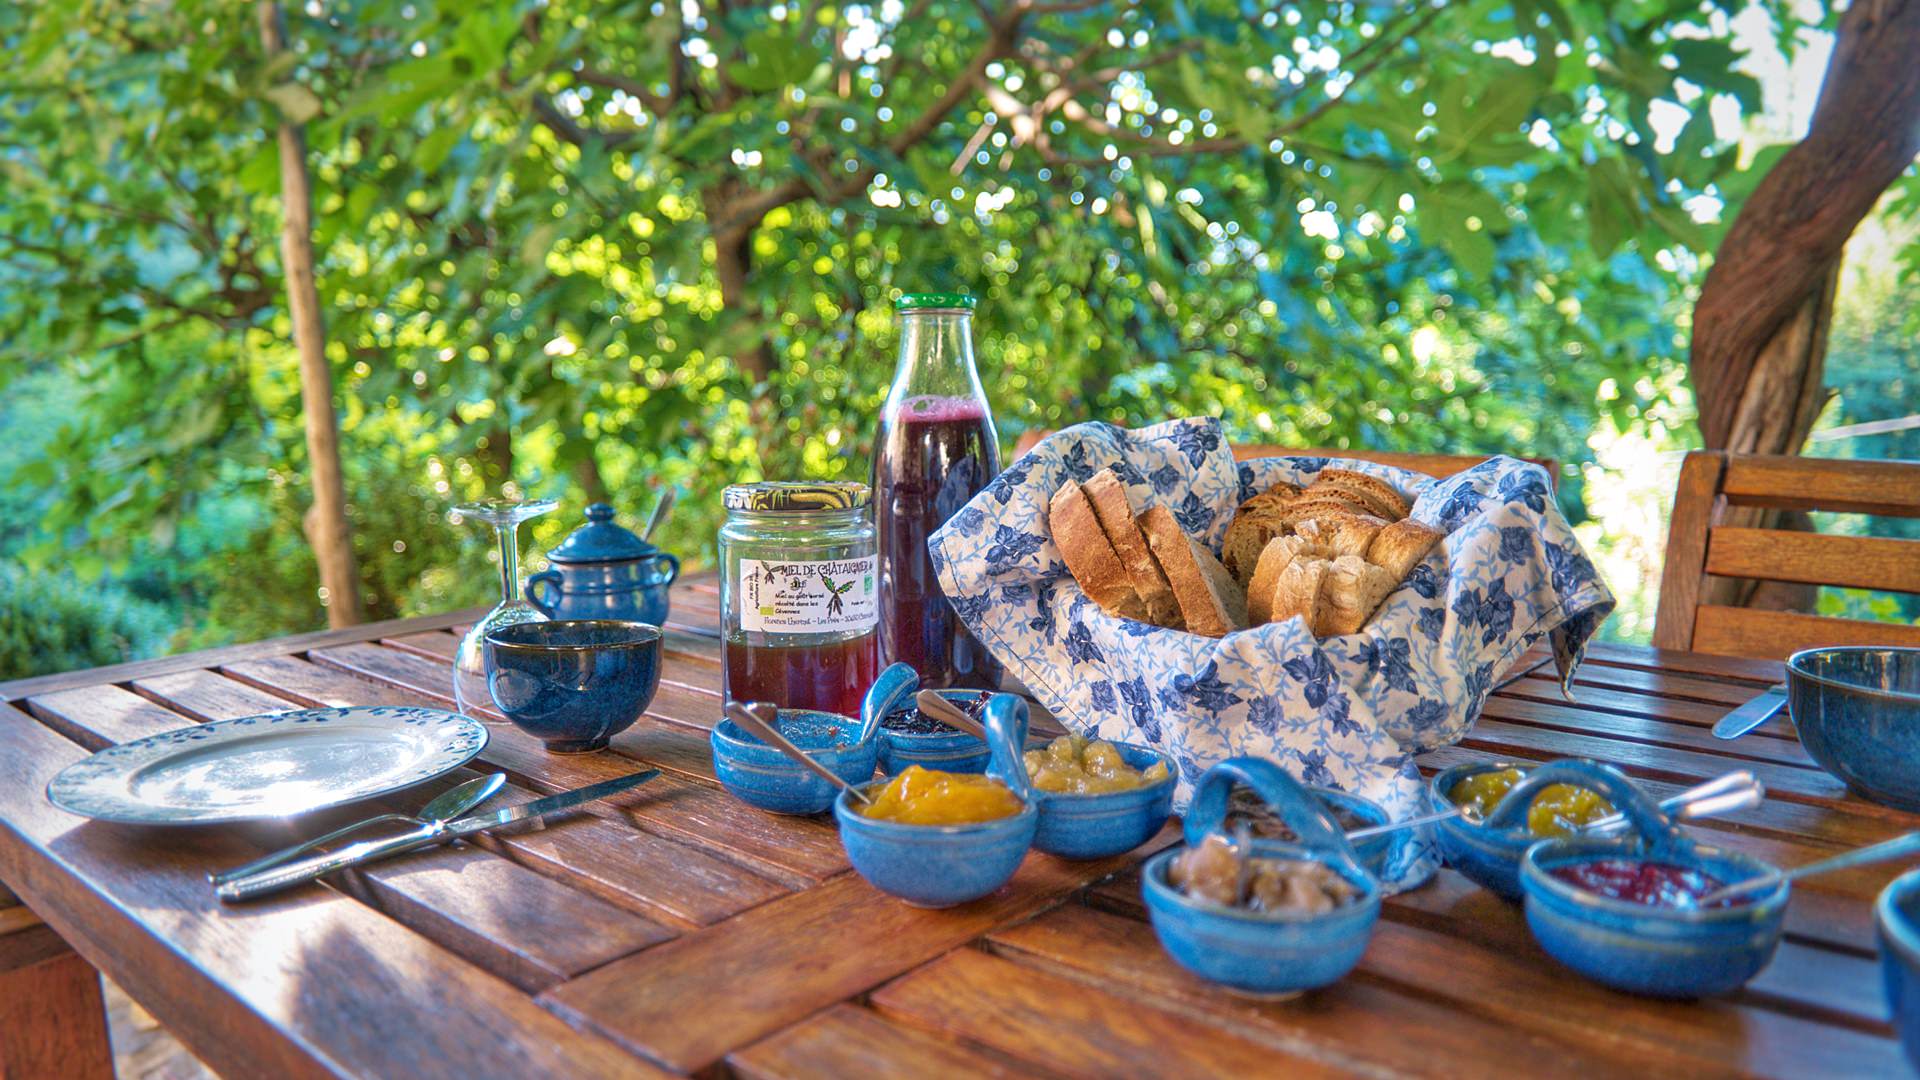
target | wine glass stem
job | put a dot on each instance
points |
(509, 559)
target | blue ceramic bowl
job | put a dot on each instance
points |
(760, 775)
(946, 750)
(573, 684)
(1662, 952)
(1079, 826)
(1256, 952)
(1898, 914)
(1373, 851)
(934, 866)
(1489, 857)
(1858, 714)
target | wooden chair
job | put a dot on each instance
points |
(1431, 464)
(1703, 543)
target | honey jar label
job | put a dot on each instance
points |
(809, 597)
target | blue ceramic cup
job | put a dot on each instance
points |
(573, 685)
(1857, 711)
(1668, 952)
(939, 865)
(761, 775)
(945, 750)
(1084, 826)
(1258, 952)
(1897, 914)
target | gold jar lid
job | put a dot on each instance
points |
(797, 496)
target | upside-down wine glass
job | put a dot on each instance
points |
(470, 663)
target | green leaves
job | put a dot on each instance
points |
(295, 102)
(773, 60)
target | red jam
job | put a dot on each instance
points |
(1651, 883)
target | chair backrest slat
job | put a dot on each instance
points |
(1431, 464)
(1712, 536)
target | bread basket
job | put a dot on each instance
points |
(1348, 712)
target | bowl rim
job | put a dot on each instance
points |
(649, 635)
(844, 812)
(1592, 848)
(1796, 671)
(948, 692)
(1896, 929)
(737, 745)
(1153, 878)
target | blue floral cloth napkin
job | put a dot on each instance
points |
(1346, 712)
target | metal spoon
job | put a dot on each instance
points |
(449, 804)
(660, 511)
(932, 704)
(1739, 785)
(1905, 844)
(758, 718)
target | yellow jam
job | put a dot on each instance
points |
(1558, 810)
(927, 797)
(1077, 765)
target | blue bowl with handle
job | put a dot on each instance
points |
(1857, 711)
(1362, 812)
(1488, 857)
(1654, 951)
(762, 776)
(1259, 952)
(1897, 916)
(946, 750)
(939, 866)
(1089, 826)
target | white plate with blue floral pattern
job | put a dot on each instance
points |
(270, 766)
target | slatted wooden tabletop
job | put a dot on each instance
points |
(675, 929)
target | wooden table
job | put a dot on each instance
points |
(676, 929)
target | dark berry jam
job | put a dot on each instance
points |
(909, 721)
(1651, 883)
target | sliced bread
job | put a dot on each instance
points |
(1089, 555)
(1352, 590)
(1297, 592)
(1342, 533)
(1211, 601)
(1278, 495)
(1247, 536)
(1400, 546)
(1110, 504)
(1263, 594)
(1379, 495)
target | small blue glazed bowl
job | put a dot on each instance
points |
(1083, 826)
(1897, 913)
(946, 750)
(938, 866)
(1666, 952)
(760, 775)
(1255, 952)
(573, 684)
(1488, 857)
(1857, 711)
(1359, 812)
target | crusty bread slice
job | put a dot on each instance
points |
(1210, 600)
(1315, 504)
(1400, 546)
(1110, 504)
(1352, 590)
(1279, 494)
(1089, 554)
(1247, 536)
(1341, 533)
(1377, 493)
(1297, 592)
(1280, 553)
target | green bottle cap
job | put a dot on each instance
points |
(930, 301)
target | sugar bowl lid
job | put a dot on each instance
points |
(600, 540)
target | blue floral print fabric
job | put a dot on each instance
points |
(1348, 712)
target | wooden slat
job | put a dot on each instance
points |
(1697, 736)
(850, 1041)
(827, 943)
(1693, 512)
(1761, 673)
(53, 1022)
(1779, 634)
(1667, 686)
(1849, 485)
(299, 985)
(1670, 711)
(1862, 562)
(1073, 1029)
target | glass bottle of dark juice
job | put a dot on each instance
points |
(935, 450)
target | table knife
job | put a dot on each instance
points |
(433, 833)
(1746, 717)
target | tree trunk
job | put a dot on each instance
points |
(326, 521)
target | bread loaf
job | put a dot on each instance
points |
(1400, 546)
(1247, 536)
(1297, 592)
(1089, 555)
(1352, 589)
(1377, 495)
(1211, 601)
(1342, 533)
(1108, 495)
(1263, 593)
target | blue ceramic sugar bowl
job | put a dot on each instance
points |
(1667, 949)
(760, 775)
(944, 749)
(573, 684)
(1260, 952)
(602, 571)
(939, 865)
(1897, 914)
(1489, 857)
(1857, 711)
(1090, 826)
